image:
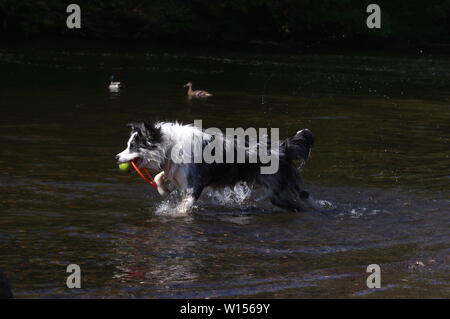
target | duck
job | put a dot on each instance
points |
(114, 85)
(197, 93)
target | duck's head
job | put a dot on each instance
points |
(112, 78)
(189, 84)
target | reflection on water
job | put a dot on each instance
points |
(381, 159)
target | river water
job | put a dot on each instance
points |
(381, 158)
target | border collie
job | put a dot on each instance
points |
(152, 146)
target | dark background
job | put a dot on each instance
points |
(279, 24)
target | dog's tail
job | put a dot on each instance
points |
(299, 146)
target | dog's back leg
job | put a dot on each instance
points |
(294, 200)
(285, 198)
(285, 188)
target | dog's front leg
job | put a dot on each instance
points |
(160, 178)
(190, 183)
(187, 200)
(184, 207)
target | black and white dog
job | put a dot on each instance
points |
(152, 146)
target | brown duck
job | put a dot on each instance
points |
(197, 93)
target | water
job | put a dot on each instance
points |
(381, 158)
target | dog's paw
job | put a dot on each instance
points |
(160, 178)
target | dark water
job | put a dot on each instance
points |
(381, 158)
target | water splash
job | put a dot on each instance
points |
(325, 205)
(239, 194)
(174, 206)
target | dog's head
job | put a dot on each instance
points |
(144, 146)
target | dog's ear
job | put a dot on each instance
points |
(134, 126)
(140, 127)
(149, 131)
(152, 133)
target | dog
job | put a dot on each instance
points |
(151, 145)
